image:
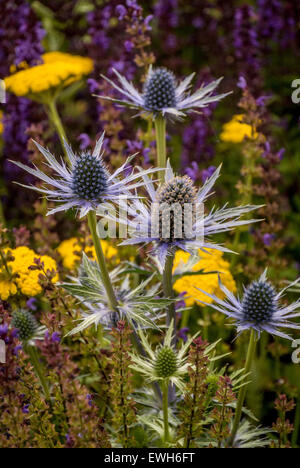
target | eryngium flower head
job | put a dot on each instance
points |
(259, 308)
(89, 178)
(177, 190)
(140, 306)
(164, 363)
(27, 326)
(259, 303)
(188, 229)
(159, 90)
(162, 94)
(85, 183)
(176, 193)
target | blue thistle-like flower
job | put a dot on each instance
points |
(177, 190)
(27, 325)
(89, 178)
(259, 308)
(183, 225)
(159, 90)
(162, 94)
(85, 183)
(259, 303)
(177, 193)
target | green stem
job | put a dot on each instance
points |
(185, 318)
(205, 323)
(35, 361)
(296, 424)
(165, 391)
(263, 346)
(242, 392)
(149, 136)
(92, 221)
(160, 132)
(169, 293)
(55, 119)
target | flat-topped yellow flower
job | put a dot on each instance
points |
(58, 70)
(7, 289)
(70, 252)
(209, 262)
(236, 130)
(20, 276)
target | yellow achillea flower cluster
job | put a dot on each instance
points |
(69, 251)
(7, 288)
(235, 131)
(21, 277)
(212, 261)
(57, 70)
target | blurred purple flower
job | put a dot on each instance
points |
(280, 153)
(133, 4)
(121, 12)
(246, 44)
(242, 83)
(182, 333)
(89, 399)
(31, 303)
(55, 338)
(167, 13)
(17, 349)
(128, 46)
(198, 22)
(147, 21)
(93, 85)
(20, 35)
(268, 239)
(207, 173)
(85, 141)
(193, 171)
(271, 18)
(196, 145)
(171, 41)
(261, 100)
(135, 146)
(180, 304)
(268, 150)
(15, 333)
(25, 409)
(3, 329)
(16, 121)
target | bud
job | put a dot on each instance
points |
(176, 201)
(212, 385)
(25, 323)
(166, 362)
